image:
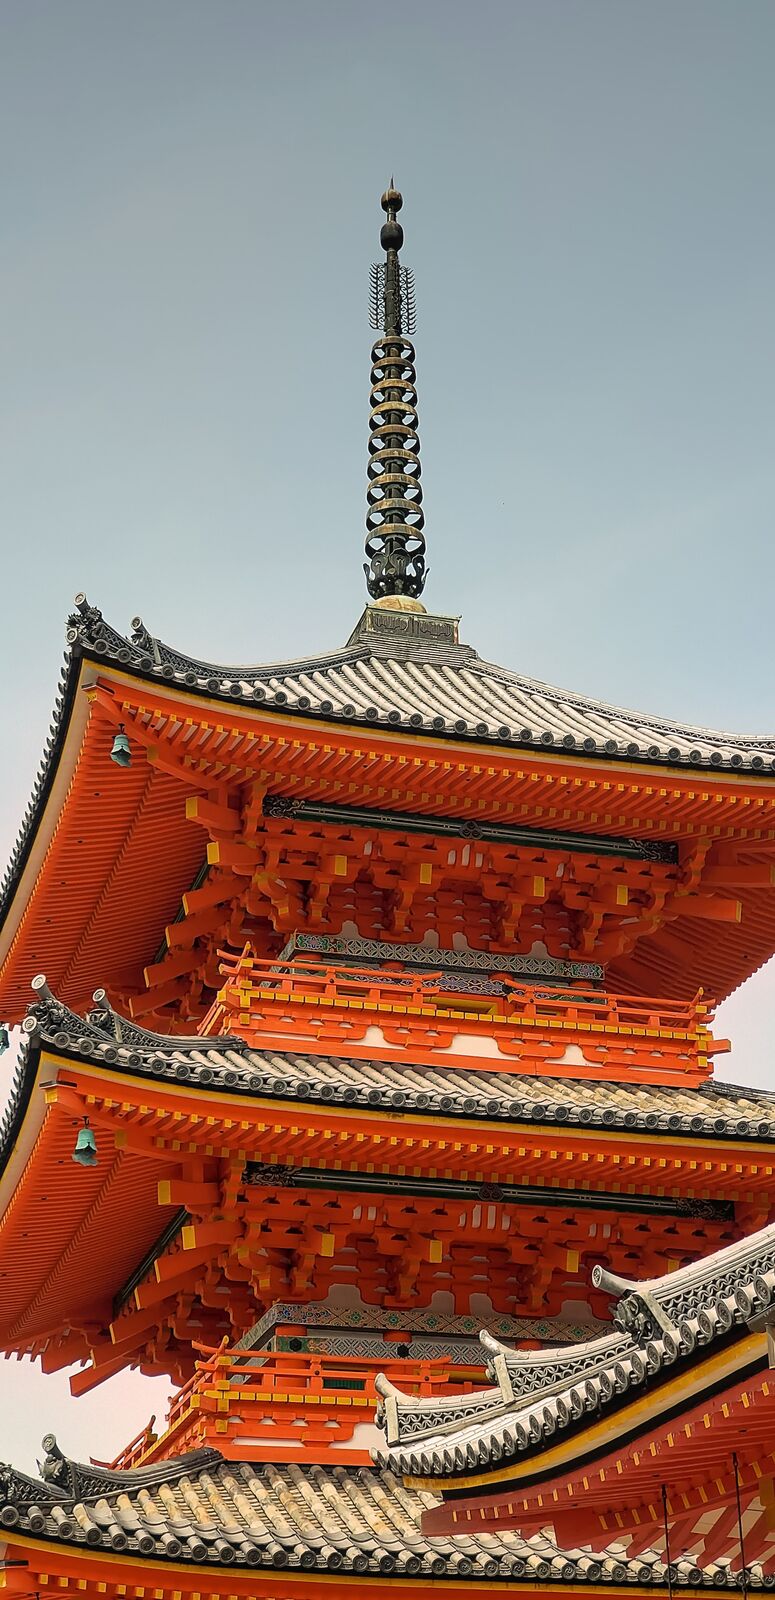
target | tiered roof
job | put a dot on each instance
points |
(641, 845)
(294, 1519)
(400, 669)
(666, 1172)
(411, 720)
(228, 1065)
(409, 670)
(674, 1405)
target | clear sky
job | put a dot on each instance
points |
(188, 210)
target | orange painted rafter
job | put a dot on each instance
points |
(148, 854)
(623, 797)
(51, 1569)
(616, 1496)
(103, 875)
(175, 1121)
(56, 1221)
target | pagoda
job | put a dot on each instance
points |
(367, 1004)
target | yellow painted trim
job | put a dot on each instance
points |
(276, 1580)
(582, 1135)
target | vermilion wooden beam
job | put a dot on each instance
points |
(218, 888)
(761, 875)
(211, 815)
(710, 908)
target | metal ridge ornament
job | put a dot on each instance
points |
(395, 544)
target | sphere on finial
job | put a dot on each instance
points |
(392, 199)
(392, 234)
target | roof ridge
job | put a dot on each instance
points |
(144, 652)
(78, 1480)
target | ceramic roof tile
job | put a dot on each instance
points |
(355, 1520)
(229, 1065)
(538, 1395)
(409, 672)
(433, 683)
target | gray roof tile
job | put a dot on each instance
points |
(537, 1395)
(357, 1520)
(230, 1065)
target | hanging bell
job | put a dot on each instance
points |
(85, 1152)
(121, 749)
(5, 1038)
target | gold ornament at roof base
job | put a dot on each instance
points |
(400, 602)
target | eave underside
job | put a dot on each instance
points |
(123, 853)
(203, 1126)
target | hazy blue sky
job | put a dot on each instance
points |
(188, 209)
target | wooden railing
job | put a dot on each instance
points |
(268, 983)
(237, 1399)
(311, 999)
(133, 1453)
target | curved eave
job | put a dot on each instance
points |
(103, 859)
(281, 1530)
(622, 1422)
(681, 1337)
(434, 689)
(227, 1069)
(93, 645)
(125, 933)
(126, 1085)
(56, 1215)
(66, 733)
(680, 1435)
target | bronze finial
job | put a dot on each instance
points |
(395, 545)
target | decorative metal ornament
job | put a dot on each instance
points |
(121, 750)
(280, 805)
(395, 544)
(85, 1152)
(5, 1038)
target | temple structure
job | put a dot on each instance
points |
(377, 1010)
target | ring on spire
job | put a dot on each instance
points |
(395, 544)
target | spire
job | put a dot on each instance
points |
(395, 546)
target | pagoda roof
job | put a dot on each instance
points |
(405, 677)
(548, 1411)
(403, 671)
(408, 670)
(339, 1520)
(227, 1065)
(358, 1125)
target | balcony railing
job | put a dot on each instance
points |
(313, 1000)
(243, 1403)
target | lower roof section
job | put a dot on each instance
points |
(455, 1164)
(224, 1064)
(290, 1520)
